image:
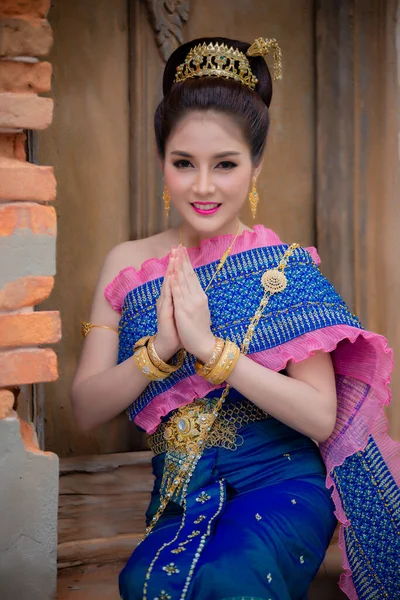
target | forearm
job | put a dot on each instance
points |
(103, 396)
(289, 400)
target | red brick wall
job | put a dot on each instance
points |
(27, 220)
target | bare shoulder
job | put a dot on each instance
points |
(127, 254)
(134, 253)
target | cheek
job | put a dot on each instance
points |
(235, 184)
(175, 180)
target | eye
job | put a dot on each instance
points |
(226, 165)
(182, 164)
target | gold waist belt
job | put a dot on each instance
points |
(189, 422)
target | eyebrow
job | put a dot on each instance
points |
(219, 155)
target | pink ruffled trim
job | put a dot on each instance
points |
(356, 354)
(209, 250)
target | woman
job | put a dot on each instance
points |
(260, 390)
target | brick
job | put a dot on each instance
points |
(26, 291)
(18, 76)
(41, 220)
(6, 403)
(24, 181)
(29, 437)
(27, 241)
(12, 145)
(27, 8)
(25, 37)
(28, 365)
(30, 329)
(25, 111)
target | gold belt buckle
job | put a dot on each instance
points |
(187, 424)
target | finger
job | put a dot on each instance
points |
(176, 290)
(180, 275)
(167, 292)
(187, 270)
(190, 276)
(163, 286)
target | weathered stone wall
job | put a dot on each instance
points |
(28, 476)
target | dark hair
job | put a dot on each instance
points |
(247, 107)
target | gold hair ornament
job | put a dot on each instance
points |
(262, 47)
(220, 60)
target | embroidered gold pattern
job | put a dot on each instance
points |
(200, 519)
(171, 569)
(203, 497)
(163, 596)
(203, 540)
(178, 549)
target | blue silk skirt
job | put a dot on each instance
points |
(257, 523)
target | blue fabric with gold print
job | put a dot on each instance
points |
(367, 488)
(309, 302)
(265, 504)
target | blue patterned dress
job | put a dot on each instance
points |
(256, 519)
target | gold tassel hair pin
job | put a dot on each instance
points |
(263, 46)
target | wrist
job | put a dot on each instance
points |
(204, 353)
(163, 349)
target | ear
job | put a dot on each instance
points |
(258, 169)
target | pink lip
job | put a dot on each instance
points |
(205, 212)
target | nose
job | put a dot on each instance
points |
(203, 184)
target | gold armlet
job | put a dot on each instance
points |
(159, 363)
(87, 327)
(205, 369)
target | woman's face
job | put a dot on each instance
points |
(208, 171)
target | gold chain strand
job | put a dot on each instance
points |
(274, 283)
(223, 257)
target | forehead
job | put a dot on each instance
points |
(206, 131)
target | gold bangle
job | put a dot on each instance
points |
(144, 364)
(87, 327)
(226, 364)
(159, 363)
(205, 369)
(142, 342)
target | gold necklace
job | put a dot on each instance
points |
(223, 257)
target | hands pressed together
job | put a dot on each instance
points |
(182, 311)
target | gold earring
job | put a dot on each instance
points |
(253, 199)
(167, 200)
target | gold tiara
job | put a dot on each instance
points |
(219, 60)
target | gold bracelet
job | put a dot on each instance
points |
(87, 327)
(143, 362)
(205, 369)
(159, 363)
(226, 364)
